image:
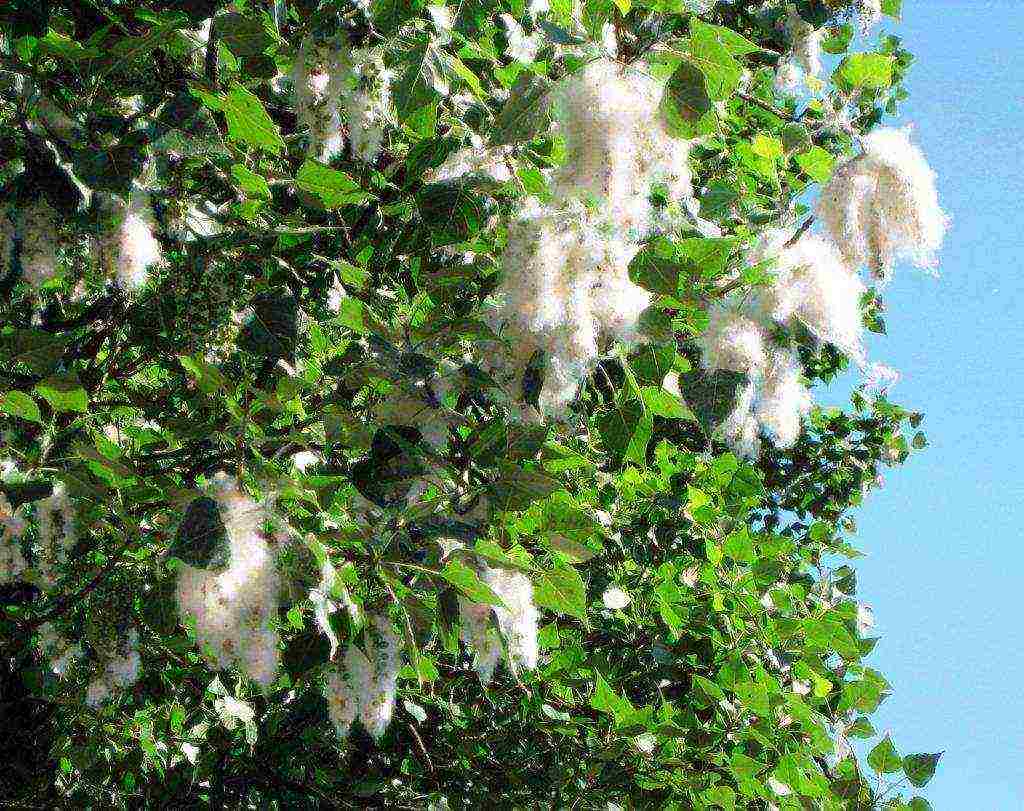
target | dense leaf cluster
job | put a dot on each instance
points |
(736, 673)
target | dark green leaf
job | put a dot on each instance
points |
(202, 540)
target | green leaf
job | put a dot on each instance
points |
(605, 699)
(209, 378)
(656, 324)
(525, 112)
(893, 8)
(562, 591)
(816, 163)
(249, 122)
(884, 758)
(796, 137)
(331, 187)
(864, 70)
(710, 688)
(518, 488)
(453, 211)
(754, 697)
(920, 769)
(656, 268)
(64, 393)
(202, 540)
(252, 184)
(708, 50)
(469, 583)
(686, 99)
(37, 350)
(350, 314)
(663, 403)
(710, 396)
(245, 35)
(617, 424)
(19, 404)
(425, 78)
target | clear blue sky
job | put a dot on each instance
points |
(945, 565)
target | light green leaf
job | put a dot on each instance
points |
(252, 184)
(19, 404)
(562, 591)
(469, 583)
(331, 187)
(864, 70)
(884, 758)
(817, 164)
(249, 122)
(708, 50)
(64, 393)
(663, 403)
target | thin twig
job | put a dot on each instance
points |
(799, 232)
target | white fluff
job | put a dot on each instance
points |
(57, 650)
(734, 340)
(566, 289)
(473, 159)
(384, 653)
(480, 637)
(869, 14)
(130, 249)
(234, 609)
(813, 286)
(12, 561)
(521, 47)
(740, 429)
(805, 44)
(56, 517)
(883, 205)
(338, 87)
(120, 669)
(518, 618)
(38, 243)
(784, 400)
(364, 686)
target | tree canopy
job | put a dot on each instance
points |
(414, 406)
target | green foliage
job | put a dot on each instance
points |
(737, 665)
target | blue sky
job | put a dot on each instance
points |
(944, 540)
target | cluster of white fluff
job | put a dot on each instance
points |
(234, 610)
(38, 227)
(474, 159)
(517, 620)
(879, 206)
(337, 86)
(811, 287)
(365, 684)
(480, 636)
(55, 515)
(883, 204)
(119, 670)
(521, 47)
(566, 285)
(12, 561)
(130, 248)
(805, 60)
(869, 14)
(57, 650)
